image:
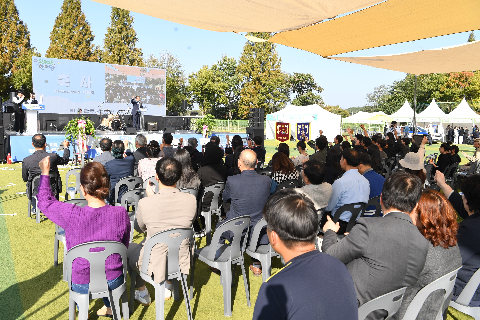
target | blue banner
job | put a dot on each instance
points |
(303, 128)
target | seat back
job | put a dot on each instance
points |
(147, 183)
(236, 226)
(467, 293)
(256, 235)
(130, 182)
(266, 171)
(131, 198)
(190, 190)
(76, 174)
(288, 184)
(444, 283)
(356, 210)
(216, 189)
(98, 278)
(386, 170)
(450, 170)
(375, 201)
(428, 173)
(389, 302)
(173, 239)
(36, 182)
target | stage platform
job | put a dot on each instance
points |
(20, 146)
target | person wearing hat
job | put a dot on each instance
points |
(413, 162)
(19, 126)
(473, 159)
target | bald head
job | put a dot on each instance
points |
(248, 159)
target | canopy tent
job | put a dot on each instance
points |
(242, 15)
(380, 117)
(319, 119)
(389, 22)
(404, 114)
(459, 58)
(358, 117)
(462, 114)
(432, 114)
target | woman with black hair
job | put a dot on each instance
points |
(333, 168)
(189, 178)
(444, 159)
(119, 168)
(146, 166)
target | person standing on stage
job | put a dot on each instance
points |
(19, 112)
(136, 111)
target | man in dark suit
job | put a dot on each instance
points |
(257, 140)
(30, 167)
(19, 126)
(386, 253)
(141, 152)
(136, 111)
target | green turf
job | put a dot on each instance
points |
(32, 288)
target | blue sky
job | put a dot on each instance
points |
(344, 84)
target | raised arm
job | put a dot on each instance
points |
(365, 133)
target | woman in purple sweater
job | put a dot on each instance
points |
(95, 222)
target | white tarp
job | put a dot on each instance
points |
(404, 114)
(432, 114)
(462, 114)
(362, 117)
(319, 119)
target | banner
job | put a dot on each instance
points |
(303, 128)
(282, 132)
(69, 86)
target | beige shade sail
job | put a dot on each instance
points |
(242, 15)
(389, 22)
(465, 57)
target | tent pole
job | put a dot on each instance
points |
(415, 107)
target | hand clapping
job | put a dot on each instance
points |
(44, 165)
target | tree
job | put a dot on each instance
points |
(306, 90)
(176, 81)
(120, 40)
(337, 110)
(263, 84)
(71, 37)
(471, 37)
(22, 70)
(14, 45)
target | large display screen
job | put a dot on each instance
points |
(68, 86)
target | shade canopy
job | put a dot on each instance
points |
(380, 117)
(405, 113)
(366, 117)
(462, 114)
(431, 114)
(242, 15)
(465, 57)
(389, 22)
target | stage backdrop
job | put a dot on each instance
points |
(70, 86)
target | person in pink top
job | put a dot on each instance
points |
(94, 222)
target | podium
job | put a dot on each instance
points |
(31, 117)
(141, 120)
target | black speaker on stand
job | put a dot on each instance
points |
(130, 130)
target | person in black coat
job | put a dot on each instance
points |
(468, 235)
(119, 168)
(19, 112)
(136, 104)
(30, 167)
(444, 159)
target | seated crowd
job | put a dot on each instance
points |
(331, 269)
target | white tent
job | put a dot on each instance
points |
(319, 119)
(361, 117)
(462, 114)
(432, 114)
(404, 114)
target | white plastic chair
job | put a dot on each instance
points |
(463, 300)
(215, 207)
(389, 302)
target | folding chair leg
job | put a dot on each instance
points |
(160, 300)
(55, 252)
(64, 262)
(29, 208)
(115, 307)
(245, 282)
(176, 290)
(192, 272)
(125, 308)
(185, 295)
(266, 263)
(208, 226)
(71, 309)
(226, 278)
(133, 279)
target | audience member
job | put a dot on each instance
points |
(189, 178)
(106, 147)
(436, 221)
(313, 174)
(119, 168)
(146, 166)
(468, 236)
(321, 145)
(312, 285)
(454, 154)
(257, 140)
(283, 169)
(375, 180)
(352, 187)
(236, 154)
(470, 167)
(229, 159)
(382, 144)
(30, 167)
(248, 193)
(374, 153)
(166, 146)
(303, 156)
(196, 155)
(94, 222)
(141, 152)
(333, 168)
(284, 148)
(404, 146)
(413, 162)
(168, 209)
(337, 143)
(367, 250)
(444, 158)
(345, 145)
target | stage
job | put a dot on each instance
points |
(20, 146)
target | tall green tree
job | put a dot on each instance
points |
(337, 110)
(72, 37)
(264, 85)
(176, 81)
(14, 45)
(305, 89)
(120, 40)
(471, 37)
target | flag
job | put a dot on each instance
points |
(282, 132)
(303, 128)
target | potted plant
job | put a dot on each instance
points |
(78, 129)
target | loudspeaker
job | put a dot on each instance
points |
(256, 117)
(3, 154)
(152, 126)
(170, 130)
(131, 130)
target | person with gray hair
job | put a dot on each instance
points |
(106, 155)
(141, 152)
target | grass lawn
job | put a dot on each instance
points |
(32, 288)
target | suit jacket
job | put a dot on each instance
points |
(30, 168)
(139, 154)
(167, 209)
(135, 107)
(468, 239)
(104, 157)
(320, 155)
(118, 169)
(382, 254)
